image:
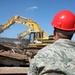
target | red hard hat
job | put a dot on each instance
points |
(64, 20)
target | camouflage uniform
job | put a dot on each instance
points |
(55, 59)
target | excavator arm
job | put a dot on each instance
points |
(22, 20)
(24, 33)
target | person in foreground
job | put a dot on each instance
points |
(57, 58)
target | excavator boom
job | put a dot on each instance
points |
(21, 20)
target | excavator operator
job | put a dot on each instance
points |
(59, 57)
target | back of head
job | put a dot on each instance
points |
(64, 22)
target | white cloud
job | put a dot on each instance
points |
(31, 8)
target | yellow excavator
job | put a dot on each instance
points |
(37, 36)
(20, 55)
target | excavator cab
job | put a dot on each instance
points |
(36, 39)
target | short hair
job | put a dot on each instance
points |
(64, 32)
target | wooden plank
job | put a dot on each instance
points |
(13, 55)
(14, 70)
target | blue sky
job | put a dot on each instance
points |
(41, 11)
